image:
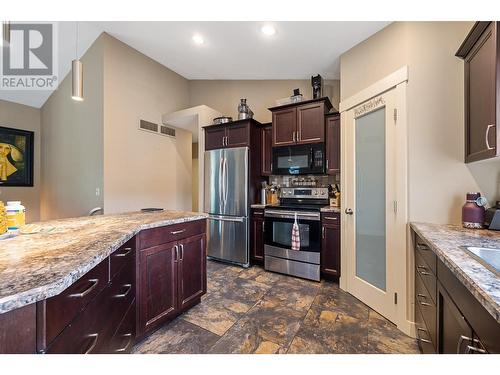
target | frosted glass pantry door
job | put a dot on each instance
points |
(370, 214)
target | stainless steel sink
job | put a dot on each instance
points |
(488, 257)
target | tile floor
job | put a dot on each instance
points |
(254, 311)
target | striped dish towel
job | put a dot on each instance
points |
(295, 235)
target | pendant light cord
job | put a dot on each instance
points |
(76, 44)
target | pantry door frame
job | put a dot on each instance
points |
(394, 85)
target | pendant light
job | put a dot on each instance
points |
(6, 32)
(77, 74)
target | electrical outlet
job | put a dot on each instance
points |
(97, 192)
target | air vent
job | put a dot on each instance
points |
(146, 125)
(165, 130)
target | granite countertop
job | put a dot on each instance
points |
(34, 267)
(447, 241)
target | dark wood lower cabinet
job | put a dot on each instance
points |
(257, 236)
(448, 318)
(173, 278)
(330, 245)
(129, 294)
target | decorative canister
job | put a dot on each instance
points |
(473, 211)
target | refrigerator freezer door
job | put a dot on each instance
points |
(228, 239)
(213, 181)
(235, 182)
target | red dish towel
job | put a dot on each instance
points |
(295, 235)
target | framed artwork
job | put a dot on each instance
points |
(16, 157)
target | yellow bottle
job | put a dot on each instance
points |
(3, 218)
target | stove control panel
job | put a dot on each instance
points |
(311, 193)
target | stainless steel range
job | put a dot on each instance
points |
(279, 256)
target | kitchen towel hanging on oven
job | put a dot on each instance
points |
(295, 235)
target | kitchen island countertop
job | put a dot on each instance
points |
(37, 266)
(448, 242)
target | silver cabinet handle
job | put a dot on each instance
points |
(94, 342)
(330, 218)
(93, 285)
(486, 136)
(182, 252)
(124, 254)
(263, 227)
(348, 211)
(422, 303)
(470, 349)
(299, 135)
(326, 164)
(129, 287)
(423, 247)
(423, 273)
(323, 232)
(175, 232)
(176, 253)
(129, 335)
(293, 137)
(421, 339)
(461, 340)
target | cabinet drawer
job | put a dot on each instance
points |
(426, 254)
(124, 337)
(170, 233)
(258, 212)
(426, 305)
(60, 310)
(330, 218)
(423, 337)
(122, 256)
(428, 278)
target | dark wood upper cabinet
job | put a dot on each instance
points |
(238, 133)
(192, 269)
(333, 144)
(284, 127)
(330, 244)
(311, 123)
(481, 54)
(215, 137)
(158, 286)
(266, 148)
(257, 236)
(300, 123)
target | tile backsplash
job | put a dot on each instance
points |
(304, 180)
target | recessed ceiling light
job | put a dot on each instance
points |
(268, 30)
(198, 39)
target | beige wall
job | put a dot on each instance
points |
(23, 117)
(72, 144)
(438, 177)
(142, 169)
(225, 95)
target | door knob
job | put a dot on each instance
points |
(348, 211)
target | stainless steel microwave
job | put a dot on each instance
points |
(299, 159)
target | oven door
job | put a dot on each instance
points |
(278, 230)
(299, 159)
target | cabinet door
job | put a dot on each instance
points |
(158, 297)
(214, 137)
(284, 126)
(311, 123)
(480, 92)
(257, 236)
(266, 147)
(330, 250)
(333, 145)
(455, 334)
(238, 135)
(192, 270)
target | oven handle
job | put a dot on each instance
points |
(315, 216)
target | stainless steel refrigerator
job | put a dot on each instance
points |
(226, 202)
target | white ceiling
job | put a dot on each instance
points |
(232, 50)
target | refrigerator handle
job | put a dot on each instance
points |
(221, 174)
(223, 184)
(226, 182)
